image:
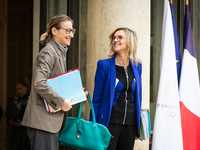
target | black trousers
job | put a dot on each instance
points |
(42, 140)
(123, 137)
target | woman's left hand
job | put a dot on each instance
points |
(137, 138)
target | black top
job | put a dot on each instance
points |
(123, 110)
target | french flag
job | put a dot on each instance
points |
(189, 91)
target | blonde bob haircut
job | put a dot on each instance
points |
(54, 22)
(131, 40)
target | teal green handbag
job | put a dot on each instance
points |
(85, 135)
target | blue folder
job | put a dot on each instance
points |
(67, 85)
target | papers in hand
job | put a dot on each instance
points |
(145, 125)
(49, 108)
(67, 85)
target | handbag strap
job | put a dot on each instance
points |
(91, 107)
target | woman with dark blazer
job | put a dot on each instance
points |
(18, 138)
(117, 93)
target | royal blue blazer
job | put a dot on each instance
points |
(104, 90)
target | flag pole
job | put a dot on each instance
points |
(171, 1)
(186, 2)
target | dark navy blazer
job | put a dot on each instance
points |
(104, 90)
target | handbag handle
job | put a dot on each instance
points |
(91, 107)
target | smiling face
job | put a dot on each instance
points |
(119, 42)
(60, 34)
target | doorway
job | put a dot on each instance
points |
(18, 53)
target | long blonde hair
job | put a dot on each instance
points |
(131, 40)
(54, 22)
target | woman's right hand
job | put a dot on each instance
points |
(14, 123)
(66, 106)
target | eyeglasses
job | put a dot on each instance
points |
(119, 37)
(69, 30)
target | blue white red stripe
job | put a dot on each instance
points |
(189, 91)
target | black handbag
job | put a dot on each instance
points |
(85, 135)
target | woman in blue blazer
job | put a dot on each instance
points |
(117, 93)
